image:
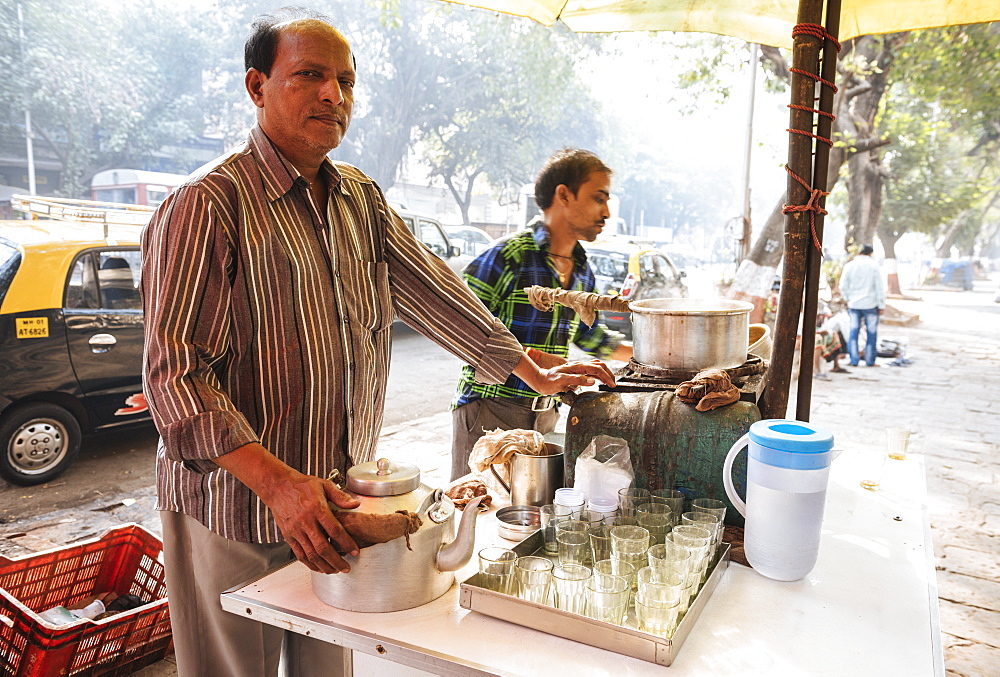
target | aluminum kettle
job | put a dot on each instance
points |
(390, 576)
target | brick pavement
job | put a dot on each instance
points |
(946, 396)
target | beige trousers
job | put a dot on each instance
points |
(199, 566)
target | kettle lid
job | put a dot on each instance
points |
(383, 478)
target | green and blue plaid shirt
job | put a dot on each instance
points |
(499, 276)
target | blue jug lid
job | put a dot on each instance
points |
(787, 443)
(791, 435)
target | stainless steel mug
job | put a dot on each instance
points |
(534, 479)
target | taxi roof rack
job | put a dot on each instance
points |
(83, 211)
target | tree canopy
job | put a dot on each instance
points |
(101, 93)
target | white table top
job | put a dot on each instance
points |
(868, 608)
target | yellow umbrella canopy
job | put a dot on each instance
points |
(768, 22)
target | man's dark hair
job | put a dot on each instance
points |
(569, 167)
(867, 250)
(261, 46)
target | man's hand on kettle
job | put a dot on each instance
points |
(299, 505)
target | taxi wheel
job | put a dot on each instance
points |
(38, 441)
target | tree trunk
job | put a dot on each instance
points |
(856, 124)
(756, 273)
(942, 249)
(866, 178)
(464, 201)
(856, 105)
(888, 237)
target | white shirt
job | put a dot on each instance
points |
(861, 284)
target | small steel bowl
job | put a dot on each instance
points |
(517, 522)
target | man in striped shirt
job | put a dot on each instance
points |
(572, 190)
(270, 282)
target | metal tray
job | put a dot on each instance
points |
(623, 639)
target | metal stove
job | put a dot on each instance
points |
(636, 377)
(671, 444)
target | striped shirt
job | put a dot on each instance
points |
(499, 276)
(263, 324)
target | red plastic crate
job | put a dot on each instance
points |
(123, 560)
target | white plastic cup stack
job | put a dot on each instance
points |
(570, 498)
(606, 506)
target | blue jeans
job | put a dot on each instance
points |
(871, 330)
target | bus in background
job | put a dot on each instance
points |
(133, 186)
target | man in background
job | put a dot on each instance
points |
(572, 190)
(862, 289)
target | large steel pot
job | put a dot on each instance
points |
(390, 576)
(690, 334)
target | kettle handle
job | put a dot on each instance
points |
(727, 474)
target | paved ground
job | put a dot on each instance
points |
(947, 395)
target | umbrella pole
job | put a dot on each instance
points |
(814, 259)
(805, 57)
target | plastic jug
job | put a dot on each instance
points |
(788, 466)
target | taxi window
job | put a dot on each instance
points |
(106, 279)
(10, 261)
(81, 290)
(654, 265)
(117, 276)
(613, 265)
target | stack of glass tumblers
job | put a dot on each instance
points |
(648, 556)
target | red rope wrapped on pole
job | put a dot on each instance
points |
(815, 195)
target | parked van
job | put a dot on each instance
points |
(430, 231)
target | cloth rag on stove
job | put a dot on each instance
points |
(709, 389)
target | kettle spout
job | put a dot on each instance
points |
(457, 554)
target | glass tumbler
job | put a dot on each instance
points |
(672, 498)
(496, 569)
(698, 541)
(572, 542)
(669, 555)
(707, 521)
(600, 543)
(712, 507)
(657, 618)
(629, 498)
(629, 544)
(569, 582)
(534, 577)
(550, 516)
(616, 567)
(607, 598)
(658, 524)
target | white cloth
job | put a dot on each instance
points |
(861, 284)
(840, 322)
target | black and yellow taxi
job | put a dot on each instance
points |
(71, 338)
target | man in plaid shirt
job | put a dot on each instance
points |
(572, 190)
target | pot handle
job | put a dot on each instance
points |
(499, 479)
(727, 474)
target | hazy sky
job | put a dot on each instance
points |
(638, 86)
